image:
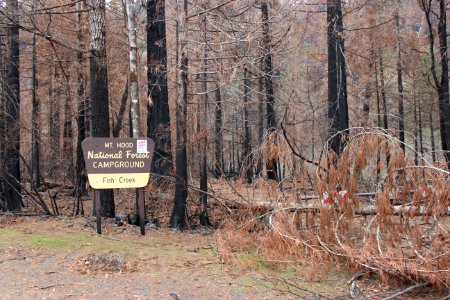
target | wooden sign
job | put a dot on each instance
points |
(118, 162)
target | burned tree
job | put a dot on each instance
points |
(158, 119)
(441, 84)
(272, 163)
(99, 101)
(80, 176)
(337, 81)
(178, 218)
(11, 131)
(35, 150)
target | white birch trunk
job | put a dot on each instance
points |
(134, 92)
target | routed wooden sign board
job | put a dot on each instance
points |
(113, 163)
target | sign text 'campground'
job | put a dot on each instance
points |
(118, 162)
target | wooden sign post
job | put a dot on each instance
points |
(113, 163)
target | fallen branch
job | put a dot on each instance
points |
(49, 286)
(419, 285)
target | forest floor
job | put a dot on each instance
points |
(63, 258)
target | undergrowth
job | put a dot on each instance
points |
(398, 229)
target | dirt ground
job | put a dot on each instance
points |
(54, 258)
(63, 258)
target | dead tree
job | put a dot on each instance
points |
(204, 219)
(337, 80)
(99, 103)
(441, 84)
(272, 162)
(80, 173)
(248, 156)
(178, 218)
(158, 118)
(11, 172)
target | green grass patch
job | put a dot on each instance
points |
(8, 236)
(61, 242)
(142, 248)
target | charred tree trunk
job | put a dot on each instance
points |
(313, 125)
(3, 77)
(99, 101)
(366, 106)
(383, 92)
(415, 131)
(401, 116)
(383, 98)
(80, 173)
(378, 111)
(204, 219)
(35, 164)
(272, 162)
(444, 105)
(158, 118)
(236, 144)
(442, 82)
(416, 139)
(218, 139)
(130, 123)
(261, 124)
(54, 121)
(419, 112)
(433, 145)
(178, 218)
(233, 155)
(68, 131)
(12, 104)
(248, 157)
(337, 80)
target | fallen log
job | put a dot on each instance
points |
(361, 195)
(316, 204)
(399, 210)
(369, 209)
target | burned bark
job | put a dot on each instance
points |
(248, 157)
(158, 118)
(204, 219)
(12, 187)
(99, 101)
(80, 173)
(35, 159)
(337, 79)
(272, 162)
(441, 83)
(178, 218)
(218, 139)
(54, 120)
(401, 116)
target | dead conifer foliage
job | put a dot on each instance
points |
(403, 236)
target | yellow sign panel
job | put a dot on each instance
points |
(118, 181)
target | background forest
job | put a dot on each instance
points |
(257, 108)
